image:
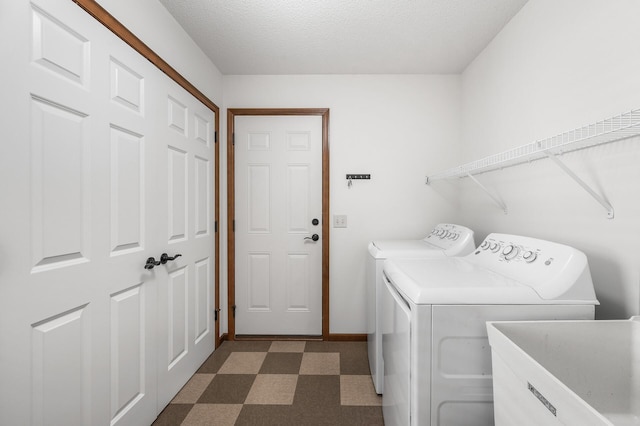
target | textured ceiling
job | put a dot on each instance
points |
(342, 36)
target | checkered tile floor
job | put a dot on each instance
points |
(279, 383)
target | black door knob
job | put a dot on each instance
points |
(314, 237)
(315, 222)
(164, 258)
(151, 263)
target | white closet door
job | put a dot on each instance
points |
(185, 285)
(83, 160)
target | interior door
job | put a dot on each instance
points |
(185, 284)
(278, 225)
(83, 160)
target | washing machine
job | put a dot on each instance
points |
(436, 354)
(444, 240)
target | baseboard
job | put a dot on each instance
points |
(332, 337)
(347, 337)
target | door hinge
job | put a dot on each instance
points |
(233, 139)
(215, 314)
(234, 310)
(233, 226)
(215, 137)
(215, 226)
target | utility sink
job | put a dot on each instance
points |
(566, 372)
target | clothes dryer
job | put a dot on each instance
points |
(444, 240)
(436, 354)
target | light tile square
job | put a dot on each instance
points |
(243, 363)
(318, 363)
(358, 390)
(286, 346)
(273, 389)
(192, 391)
(208, 414)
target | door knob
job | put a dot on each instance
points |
(164, 258)
(314, 237)
(151, 263)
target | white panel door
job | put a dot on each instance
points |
(278, 194)
(83, 160)
(185, 285)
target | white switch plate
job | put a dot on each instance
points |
(339, 220)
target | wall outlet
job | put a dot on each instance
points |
(339, 220)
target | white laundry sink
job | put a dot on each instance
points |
(566, 372)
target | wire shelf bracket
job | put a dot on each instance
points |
(495, 199)
(604, 203)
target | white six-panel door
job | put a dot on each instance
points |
(104, 163)
(278, 194)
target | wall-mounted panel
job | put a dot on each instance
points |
(298, 182)
(178, 297)
(127, 86)
(259, 198)
(177, 114)
(258, 141)
(202, 130)
(259, 281)
(60, 360)
(59, 179)
(178, 193)
(202, 196)
(298, 141)
(127, 191)
(298, 282)
(127, 350)
(202, 298)
(58, 48)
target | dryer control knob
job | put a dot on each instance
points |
(495, 247)
(510, 252)
(529, 256)
(484, 245)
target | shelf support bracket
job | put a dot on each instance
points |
(604, 203)
(495, 199)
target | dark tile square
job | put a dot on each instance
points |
(281, 363)
(317, 395)
(361, 416)
(173, 414)
(227, 389)
(266, 415)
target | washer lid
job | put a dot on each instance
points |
(454, 280)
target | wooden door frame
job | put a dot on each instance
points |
(231, 243)
(116, 27)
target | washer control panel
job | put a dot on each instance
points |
(550, 268)
(449, 236)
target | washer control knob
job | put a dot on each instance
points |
(495, 247)
(484, 245)
(529, 256)
(510, 252)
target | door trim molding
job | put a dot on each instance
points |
(231, 244)
(112, 24)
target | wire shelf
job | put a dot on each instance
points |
(610, 130)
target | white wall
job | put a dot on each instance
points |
(556, 66)
(394, 127)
